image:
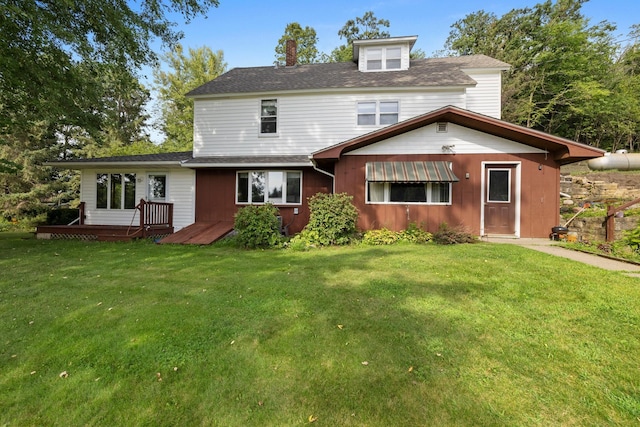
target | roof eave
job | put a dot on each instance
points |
(564, 150)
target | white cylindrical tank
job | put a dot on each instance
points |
(620, 160)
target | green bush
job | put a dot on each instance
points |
(62, 216)
(450, 236)
(258, 226)
(383, 236)
(332, 220)
(632, 239)
(415, 234)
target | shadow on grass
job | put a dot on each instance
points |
(405, 335)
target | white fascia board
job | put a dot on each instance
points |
(334, 90)
(246, 165)
(82, 165)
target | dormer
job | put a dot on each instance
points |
(388, 54)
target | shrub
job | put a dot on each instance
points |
(332, 219)
(258, 226)
(450, 236)
(415, 234)
(632, 238)
(383, 236)
(62, 216)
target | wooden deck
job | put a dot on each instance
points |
(200, 233)
(101, 232)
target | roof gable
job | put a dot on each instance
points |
(563, 150)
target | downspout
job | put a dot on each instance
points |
(333, 177)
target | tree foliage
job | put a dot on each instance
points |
(306, 40)
(186, 72)
(566, 77)
(69, 86)
(361, 28)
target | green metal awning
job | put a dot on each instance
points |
(410, 172)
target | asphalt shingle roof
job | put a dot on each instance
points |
(431, 72)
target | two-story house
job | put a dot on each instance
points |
(411, 140)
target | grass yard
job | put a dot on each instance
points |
(140, 334)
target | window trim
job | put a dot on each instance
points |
(378, 112)
(498, 169)
(123, 191)
(166, 187)
(383, 58)
(261, 117)
(284, 202)
(387, 194)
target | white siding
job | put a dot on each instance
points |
(306, 123)
(180, 192)
(485, 97)
(427, 141)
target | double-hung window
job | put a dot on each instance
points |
(277, 187)
(381, 59)
(409, 182)
(268, 117)
(115, 191)
(377, 113)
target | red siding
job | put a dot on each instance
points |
(539, 194)
(215, 196)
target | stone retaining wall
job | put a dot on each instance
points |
(594, 229)
(583, 190)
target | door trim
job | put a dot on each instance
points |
(516, 181)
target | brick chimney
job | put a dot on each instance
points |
(291, 53)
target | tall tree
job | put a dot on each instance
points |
(561, 66)
(52, 88)
(306, 40)
(362, 28)
(187, 71)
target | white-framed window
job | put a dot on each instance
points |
(378, 113)
(383, 59)
(115, 191)
(274, 186)
(430, 193)
(269, 117)
(499, 185)
(157, 187)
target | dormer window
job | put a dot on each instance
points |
(383, 58)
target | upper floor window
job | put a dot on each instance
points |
(379, 59)
(116, 191)
(277, 187)
(372, 113)
(268, 116)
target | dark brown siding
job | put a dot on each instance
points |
(539, 194)
(215, 197)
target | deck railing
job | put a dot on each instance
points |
(155, 214)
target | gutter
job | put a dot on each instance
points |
(324, 172)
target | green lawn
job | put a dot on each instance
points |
(483, 334)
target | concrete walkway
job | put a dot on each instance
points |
(550, 247)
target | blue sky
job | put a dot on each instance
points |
(248, 30)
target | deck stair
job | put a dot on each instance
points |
(200, 233)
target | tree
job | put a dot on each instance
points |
(55, 97)
(362, 28)
(560, 77)
(187, 72)
(306, 40)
